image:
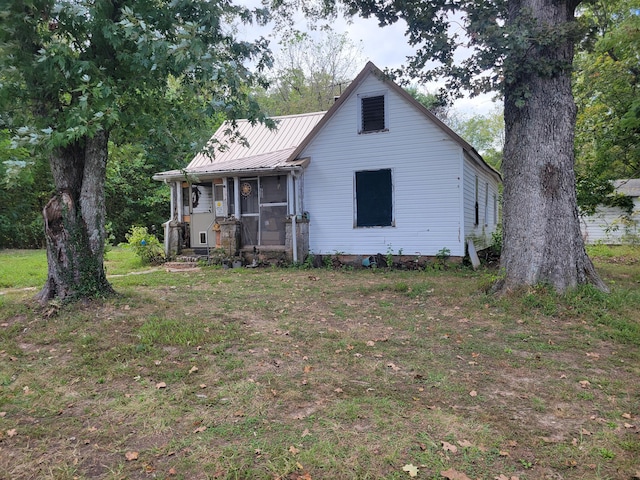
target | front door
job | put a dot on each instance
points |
(263, 208)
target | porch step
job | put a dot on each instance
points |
(181, 266)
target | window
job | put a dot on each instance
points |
(495, 210)
(476, 220)
(372, 114)
(374, 198)
(486, 204)
(203, 238)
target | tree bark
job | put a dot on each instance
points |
(542, 239)
(74, 221)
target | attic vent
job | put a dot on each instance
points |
(373, 113)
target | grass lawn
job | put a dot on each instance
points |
(321, 374)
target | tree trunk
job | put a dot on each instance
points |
(542, 239)
(74, 222)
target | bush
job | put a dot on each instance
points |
(145, 245)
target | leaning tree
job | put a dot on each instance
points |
(75, 72)
(524, 50)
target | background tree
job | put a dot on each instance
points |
(25, 186)
(606, 88)
(76, 72)
(437, 105)
(524, 49)
(310, 70)
(484, 132)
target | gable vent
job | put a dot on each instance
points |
(373, 113)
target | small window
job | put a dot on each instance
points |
(495, 210)
(476, 220)
(486, 204)
(373, 115)
(374, 198)
(203, 238)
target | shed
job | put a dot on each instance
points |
(614, 225)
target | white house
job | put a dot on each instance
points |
(376, 173)
(613, 225)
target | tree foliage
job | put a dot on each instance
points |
(76, 73)
(484, 132)
(25, 186)
(607, 92)
(310, 70)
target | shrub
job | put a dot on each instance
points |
(145, 245)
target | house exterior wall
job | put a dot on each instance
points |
(487, 194)
(426, 177)
(608, 225)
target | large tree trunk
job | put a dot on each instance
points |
(74, 222)
(542, 239)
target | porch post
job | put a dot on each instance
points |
(236, 195)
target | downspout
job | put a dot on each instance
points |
(167, 224)
(294, 229)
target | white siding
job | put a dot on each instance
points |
(608, 226)
(426, 176)
(480, 232)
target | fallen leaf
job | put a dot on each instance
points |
(131, 456)
(411, 469)
(202, 385)
(172, 471)
(200, 429)
(293, 450)
(585, 432)
(193, 369)
(448, 447)
(3, 414)
(584, 383)
(504, 453)
(307, 368)
(452, 474)
(465, 443)
(160, 385)
(473, 393)
(393, 367)
(12, 433)
(628, 425)
(338, 390)
(306, 433)
(626, 415)
(371, 343)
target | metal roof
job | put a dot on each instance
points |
(251, 148)
(289, 133)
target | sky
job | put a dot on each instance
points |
(388, 48)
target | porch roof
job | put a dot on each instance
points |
(271, 162)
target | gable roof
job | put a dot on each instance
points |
(256, 148)
(274, 150)
(371, 69)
